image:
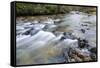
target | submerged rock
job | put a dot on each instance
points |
(58, 21)
(83, 31)
(33, 32)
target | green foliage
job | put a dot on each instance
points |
(26, 9)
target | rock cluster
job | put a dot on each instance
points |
(63, 40)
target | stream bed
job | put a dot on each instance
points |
(61, 38)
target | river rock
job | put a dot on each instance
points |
(93, 57)
(93, 50)
(83, 43)
(83, 31)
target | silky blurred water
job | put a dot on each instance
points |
(42, 46)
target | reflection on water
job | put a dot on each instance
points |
(71, 38)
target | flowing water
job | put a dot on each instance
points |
(43, 41)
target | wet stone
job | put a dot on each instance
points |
(93, 50)
(82, 43)
(93, 56)
(83, 31)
